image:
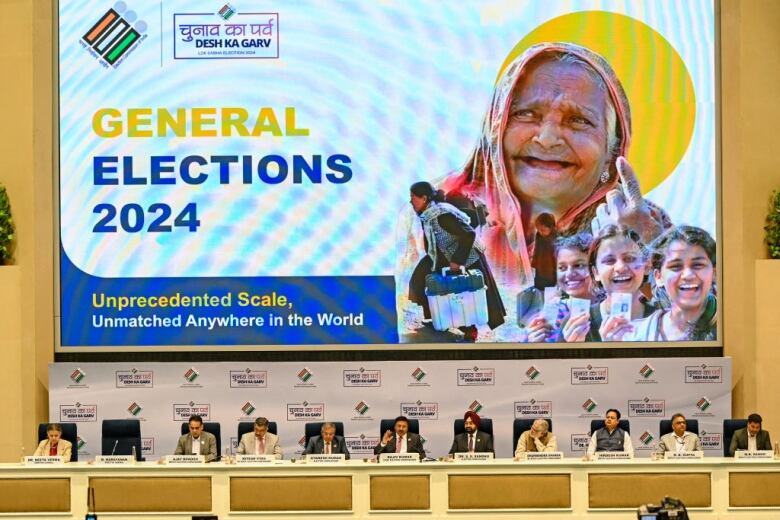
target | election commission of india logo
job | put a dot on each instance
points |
(532, 376)
(191, 375)
(646, 374)
(589, 405)
(248, 408)
(418, 377)
(77, 375)
(646, 440)
(362, 407)
(475, 406)
(77, 378)
(305, 378)
(114, 35)
(134, 409)
(226, 12)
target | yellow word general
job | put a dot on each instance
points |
(194, 122)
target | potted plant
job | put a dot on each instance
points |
(772, 227)
(6, 229)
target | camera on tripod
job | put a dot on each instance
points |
(669, 509)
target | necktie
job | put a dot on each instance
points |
(262, 446)
(398, 444)
(471, 443)
(327, 448)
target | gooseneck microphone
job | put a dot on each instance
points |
(114, 448)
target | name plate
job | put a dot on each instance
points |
(255, 459)
(115, 460)
(43, 461)
(399, 458)
(754, 455)
(613, 455)
(185, 459)
(482, 456)
(537, 456)
(321, 458)
(683, 455)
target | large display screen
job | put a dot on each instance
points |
(259, 173)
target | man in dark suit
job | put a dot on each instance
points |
(752, 438)
(472, 440)
(400, 441)
(327, 442)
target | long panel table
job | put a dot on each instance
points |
(711, 488)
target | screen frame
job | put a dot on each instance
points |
(641, 348)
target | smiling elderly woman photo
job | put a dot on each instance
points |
(554, 141)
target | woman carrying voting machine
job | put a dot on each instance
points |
(450, 243)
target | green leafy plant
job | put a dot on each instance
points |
(772, 227)
(6, 228)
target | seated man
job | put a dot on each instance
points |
(327, 442)
(611, 437)
(197, 442)
(678, 440)
(538, 438)
(260, 441)
(53, 445)
(472, 440)
(752, 438)
(400, 441)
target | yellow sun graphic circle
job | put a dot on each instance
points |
(654, 76)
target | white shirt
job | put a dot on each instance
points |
(679, 444)
(196, 445)
(752, 442)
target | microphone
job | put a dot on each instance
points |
(114, 448)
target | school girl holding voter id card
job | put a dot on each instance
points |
(619, 262)
(684, 283)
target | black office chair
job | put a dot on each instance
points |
(120, 435)
(522, 425)
(729, 427)
(485, 425)
(691, 425)
(212, 427)
(623, 424)
(69, 433)
(312, 429)
(389, 424)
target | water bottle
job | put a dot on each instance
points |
(132, 452)
(777, 450)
